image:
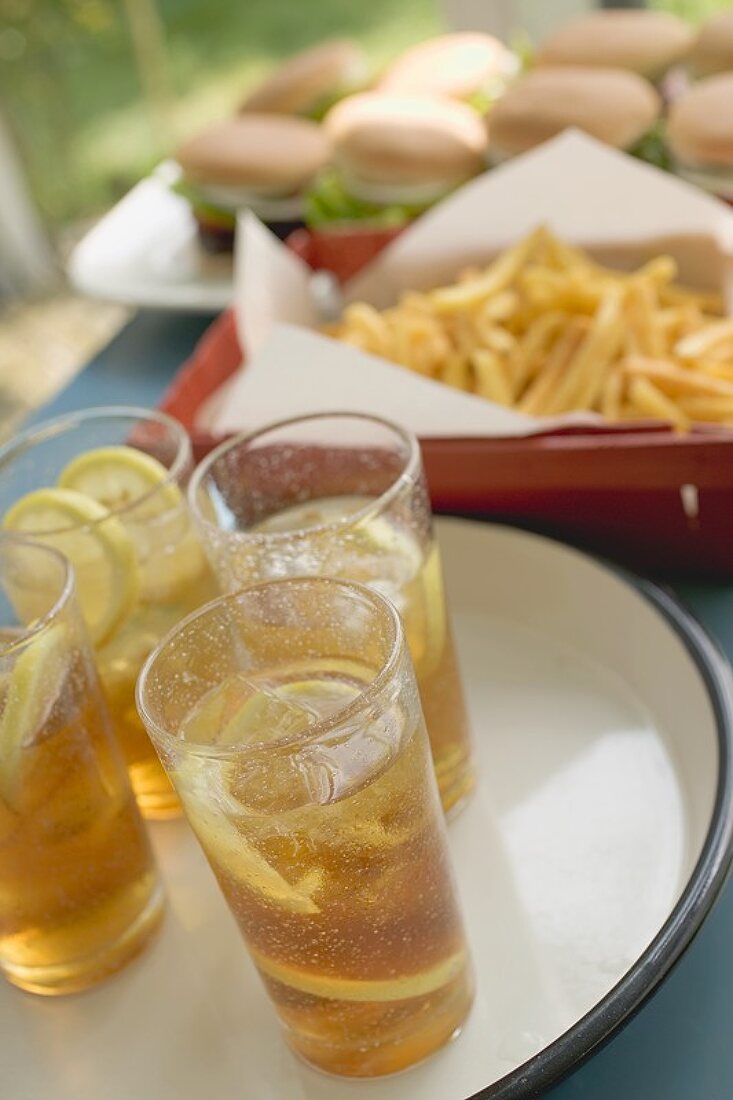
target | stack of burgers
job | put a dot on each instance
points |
(323, 143)
(643, 81)
(318, 142)
(605, 73)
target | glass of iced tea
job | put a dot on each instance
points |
(80, 893)
(287, 716)
(343, 495)
(104, 486)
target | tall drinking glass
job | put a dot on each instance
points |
(104, 487)
(79, 894)
(288, 718)
(343, 495)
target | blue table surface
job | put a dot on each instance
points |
(680, 1045)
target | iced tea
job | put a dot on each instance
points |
(78, 887)
(266, 507)
(104, 487)
(304, 769)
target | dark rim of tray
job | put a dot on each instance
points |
(642, 980)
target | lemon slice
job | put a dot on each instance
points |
(33, 687)
(116, 477)
(169, 553)
(228, 849)
(420, 599)
(96, 544)
(358, 989)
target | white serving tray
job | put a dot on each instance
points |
(593, 850)
(145, 252)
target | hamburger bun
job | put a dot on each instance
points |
(644, 42)
(266, 155)
(700, 129)
(390, 147)
(713, 50)
(453, 65)
(310, 79)
(612, 105)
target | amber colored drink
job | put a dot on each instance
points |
(76, 874)
(79, 892)
(119, 661)
(138, 562)
(343, 495)
(390, 559)
(305, 772)
(346, 906)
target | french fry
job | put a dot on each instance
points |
(563, 257)
(500, 308)
(527, 357)
(415, 302)
(661, 271)
(676, 322)
(497, 277)
(613, 388)
(718, 409)
(641, 313)
(549, 289)
(707, 301)
(583, 380)
(537, 399)
(706, 340)
(499, 340)
(370, 322)
(457, 372)
(651, 402)
(717, 370)
(491, 381)
(676, 381)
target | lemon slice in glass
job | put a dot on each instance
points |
(169, 553)
(96, 544)
(233, 854)
(362, 989)
(117, 477)
(32, 688)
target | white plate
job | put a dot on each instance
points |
(594, 848)
(145, 252)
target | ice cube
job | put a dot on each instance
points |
(267, 715)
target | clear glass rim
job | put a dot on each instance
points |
(406, 477)
(58, 425)
(396, 644)
(8, 538)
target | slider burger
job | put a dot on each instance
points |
(713, 50)
(394, 156)
(700, 135)
(263, 163)
(469, 66)
(648, 43)
(612, 105)
(309, 83)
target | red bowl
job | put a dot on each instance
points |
(342, 251)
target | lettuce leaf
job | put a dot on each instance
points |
(329, 202)
(203, 207)
(652, 148)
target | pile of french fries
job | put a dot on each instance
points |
(546, 330)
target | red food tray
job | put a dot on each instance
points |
(617, 489)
